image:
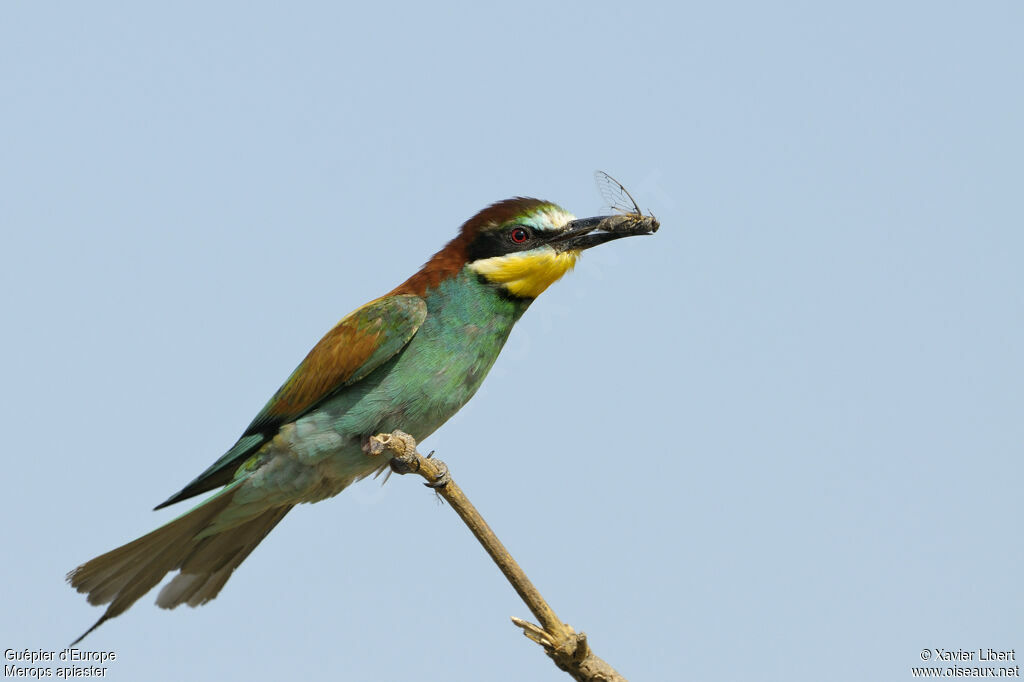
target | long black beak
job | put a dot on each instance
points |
(587, 232)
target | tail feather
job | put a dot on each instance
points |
(205, 571)
(120, 577)
(103, 578)
(107, 587)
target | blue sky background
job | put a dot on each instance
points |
(779, 440)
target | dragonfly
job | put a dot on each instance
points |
(627, 217)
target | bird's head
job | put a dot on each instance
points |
(523, 246)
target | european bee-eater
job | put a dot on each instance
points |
(407, 360)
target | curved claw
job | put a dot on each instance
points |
(442, 480)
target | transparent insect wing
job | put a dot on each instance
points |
(618, 199)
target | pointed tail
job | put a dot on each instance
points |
(205, 551)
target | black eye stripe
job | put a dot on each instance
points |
(500, 241)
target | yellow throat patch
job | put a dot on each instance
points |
(529, 273)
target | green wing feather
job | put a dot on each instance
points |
(360, 343)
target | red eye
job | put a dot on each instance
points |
(519, 235)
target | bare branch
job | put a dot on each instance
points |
(567, 648)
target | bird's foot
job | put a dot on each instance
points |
(405, 459)
(443, 477)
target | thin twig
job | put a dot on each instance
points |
(567, 648)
